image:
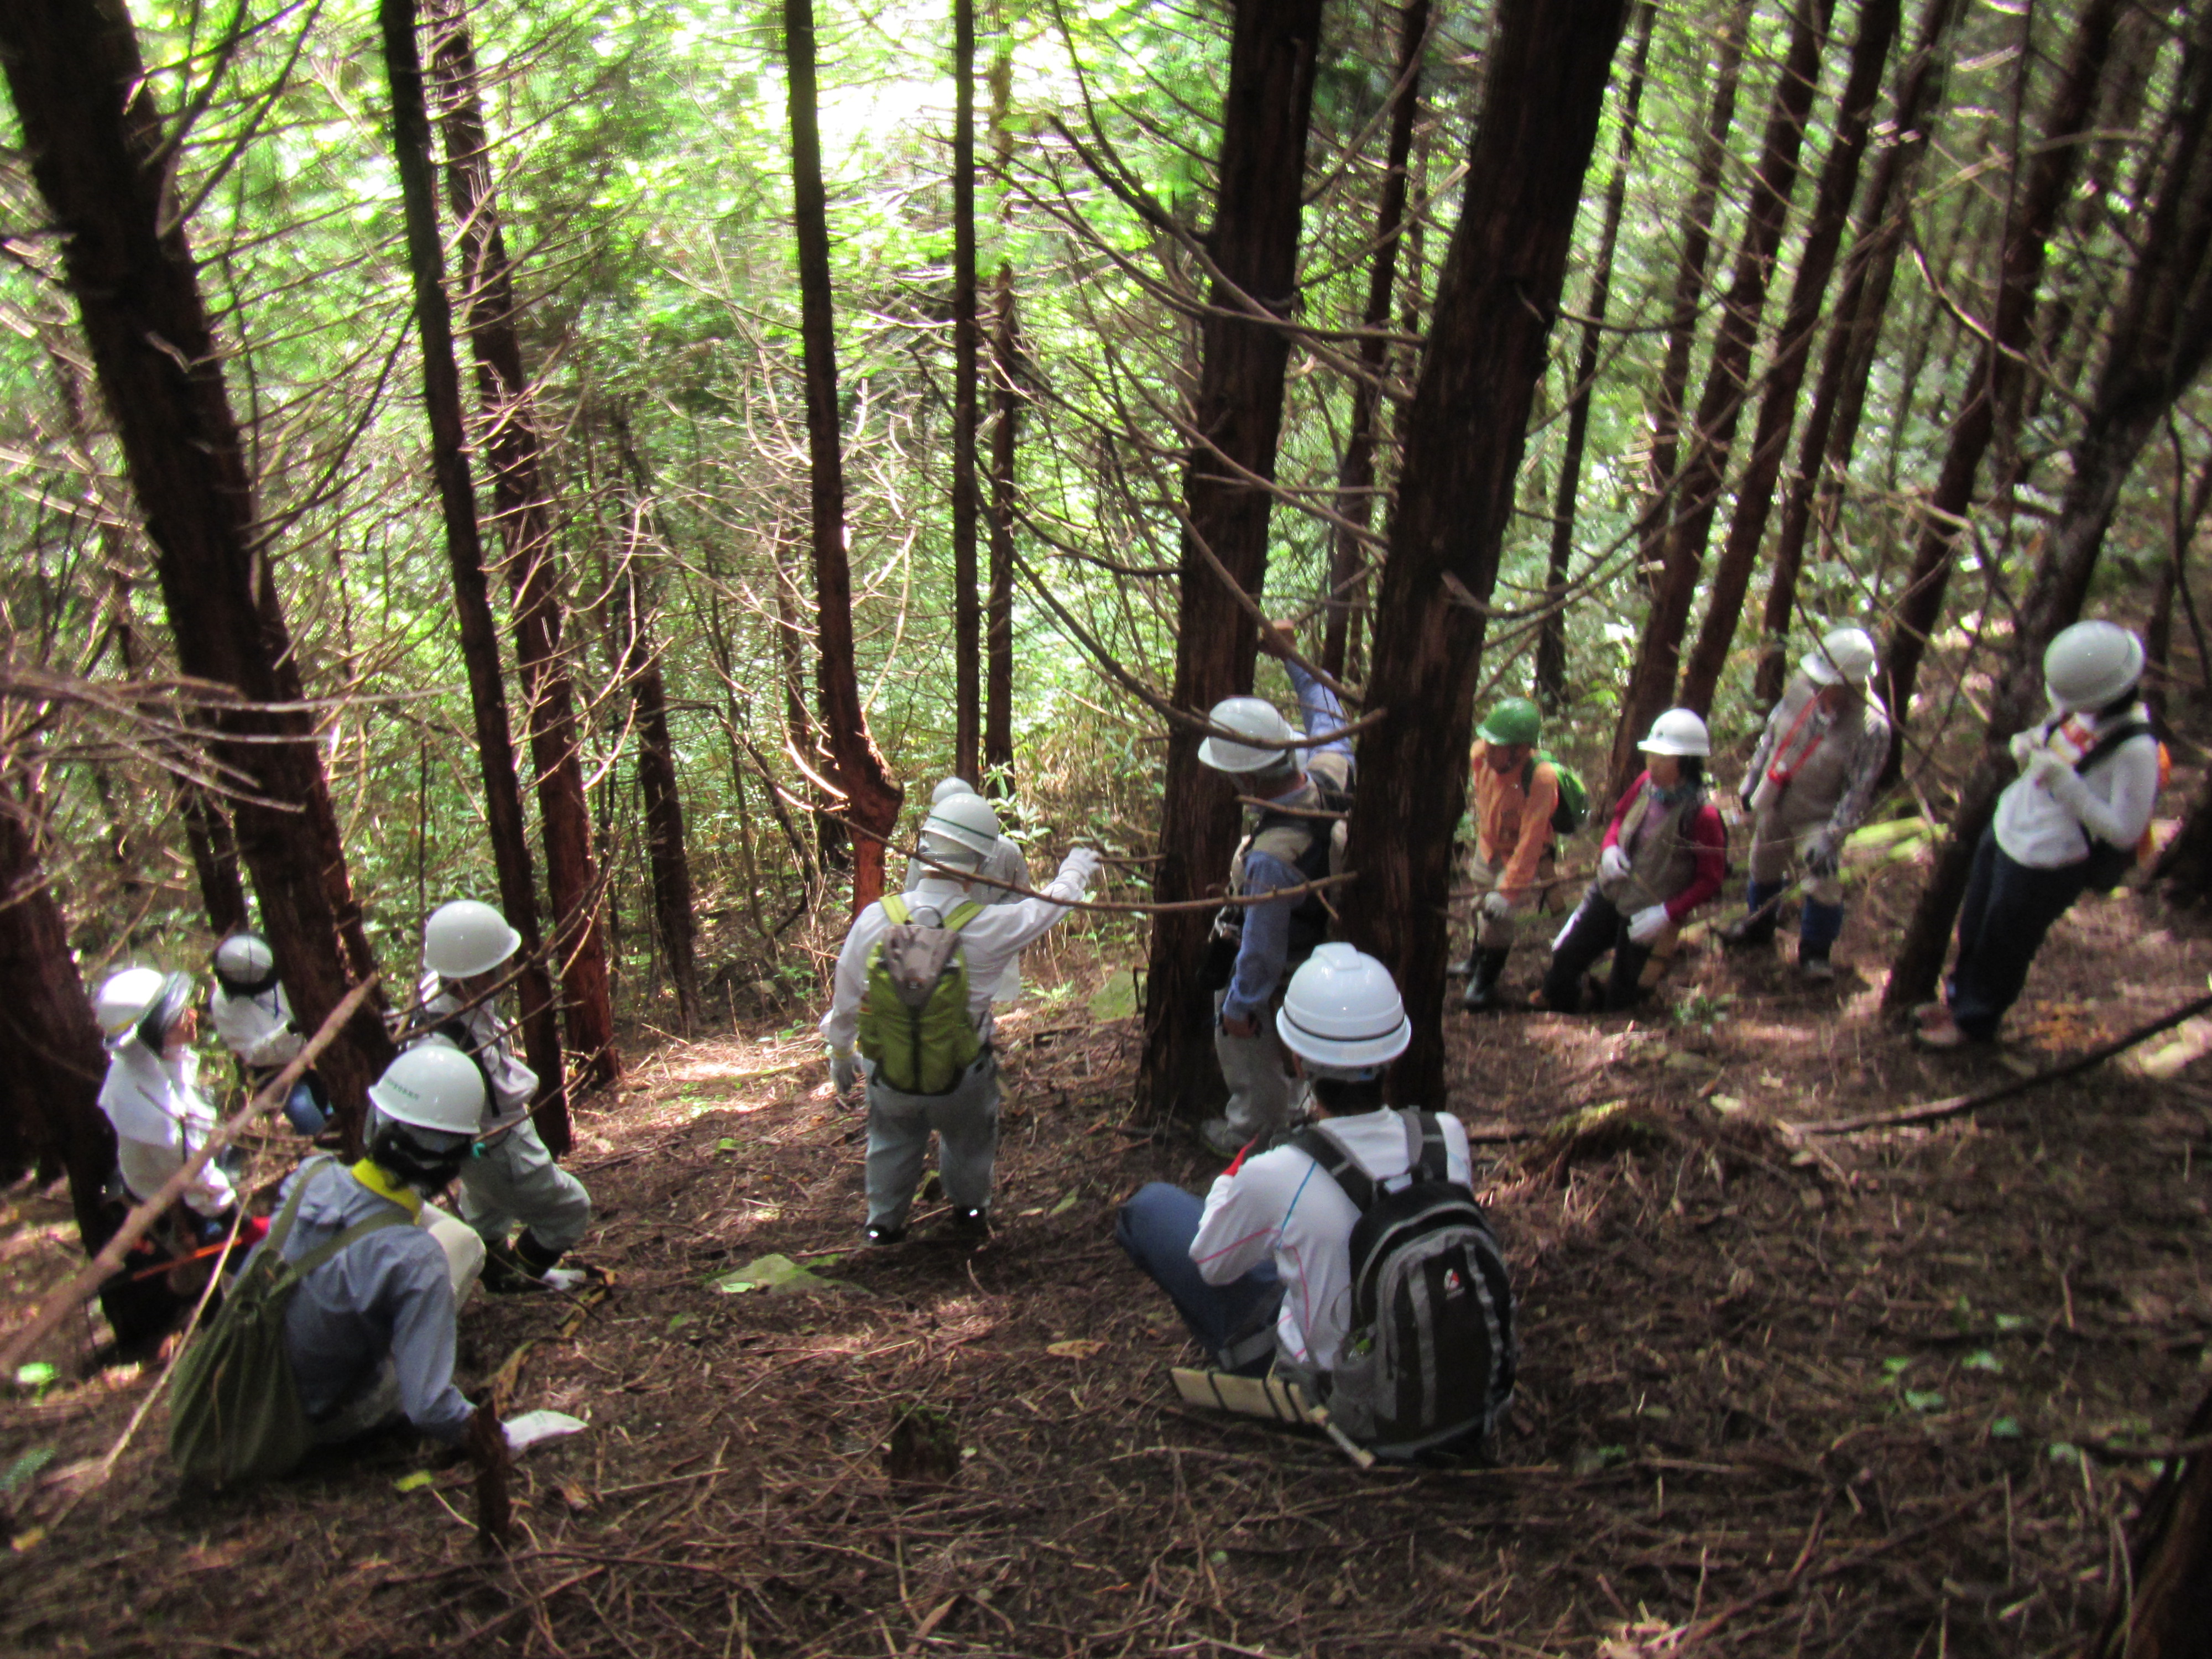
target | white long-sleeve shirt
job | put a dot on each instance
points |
(1005, 863)
(991, 941)
(257, 1028)
(2037, 828)
(1281, 1204)
(490, 1039)
(160, 1119)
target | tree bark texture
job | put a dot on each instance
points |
(1236, 412)
(1996, 372)
(2160, 335)
(1551, 673)
(967, 615)
(214, 860)
(1696, 491)
(1355, 477)
(1785, 374)
(1854, 325)
(521, 508)
(1006, 432)
(871, 798)
(1544, 86)
(2164, 1607)
(95, 143)
(51, 1085)
(456, 503)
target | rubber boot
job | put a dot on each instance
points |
(1758, 927)
(1817, 933)
(1482, 996)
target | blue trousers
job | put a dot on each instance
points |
(1235, 1323)
(2008, 909)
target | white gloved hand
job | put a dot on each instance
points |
(1612, 864)
(2049, 770)
(1079, 867)
(1497, 905)
(1645, 925)
(2023, 747)
(844, 1070)
(526, 1430)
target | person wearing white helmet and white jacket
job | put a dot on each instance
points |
(253, 1017)
(151, 1094)
(959, 834)
(1809, 785)
(1260, 1269)
(513, 1180)
(370, 1328)
(1257, 946)
(1004, 863)
(1664, 854)
(2071, 821)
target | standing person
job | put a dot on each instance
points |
(2071, 821)
(1515, 793)
(1288, 843)
(1006, 862)
(512, 1180)
(920, 1009)
(253, 1017)
(1665, 853)
(1809, 785)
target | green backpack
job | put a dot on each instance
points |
(235, 1416)
(1573, 810)
(913, 1013)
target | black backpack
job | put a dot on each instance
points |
(1429, 1356)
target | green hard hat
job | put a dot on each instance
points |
(1514, 721)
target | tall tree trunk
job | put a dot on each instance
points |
(2160, 336)
(870, 795)
(2162, 1608)
(214, 859)
(1551, 675)
(457, 504)
(1005, 413)
(1237, 410)
(55, 1060)
(1355, 477)
(1869, 272)
(1785, 375)
(521, 508)
(99, 156)
(1544, 85)
(1720, 406)
(1996, 372)
(967, 615)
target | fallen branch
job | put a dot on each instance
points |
(85, 1283)
(1959, 1105)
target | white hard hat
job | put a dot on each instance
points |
(1247, 717)
(2092, 663)
(246, 964)
(125, 998)
(946, 790)
(1678, 732)
(432, 1086)
(961, 830)
(1342, 1014)
(467, 937)
(1845, 656)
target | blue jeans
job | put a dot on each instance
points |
(2008, 909)
(1234, 1322)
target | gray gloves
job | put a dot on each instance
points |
(1823, 853)
(1497, 905)
(844, 1072)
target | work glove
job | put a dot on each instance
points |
(844, 1070)
(2052, 773)
(1822, 855)
(2023, 747)
(1645, 925)
(1612, 864)
(1747, 789)
(1497, 905)
(1079, 867)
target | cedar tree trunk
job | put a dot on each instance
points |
(2163, 1608)
(1005, 413)
(967, 615)
(1544, 85)
(1236, 414)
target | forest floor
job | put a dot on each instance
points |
(1828, 1396)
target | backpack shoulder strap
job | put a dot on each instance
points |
(394, 1217)
(281, 1229)
(894, 910)
(1336, 1164)
(2125, 731)
(963, 913)
(1425, 1158)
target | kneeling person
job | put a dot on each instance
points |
(1262, 1269)
(929, 1052)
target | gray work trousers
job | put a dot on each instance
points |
(517, 1182)
(1261, 1091)
(1502, 933)
(967, 1124)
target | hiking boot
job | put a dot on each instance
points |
(1745, 933)
(1482, 991)
(963, 1226)
(1462, 968)
(505, 1275)
(1220, 1137)
(1941, 1031)
(1812, 964)
(886, 1236)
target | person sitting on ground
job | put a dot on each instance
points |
(370, 1330)
(1288, 844)
(1809, 785)
(1514, 802)
(956, 1089)
(252, 1016)
(1005, 863)
(1665, 853)
(2072, 820)
(512, 1181)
